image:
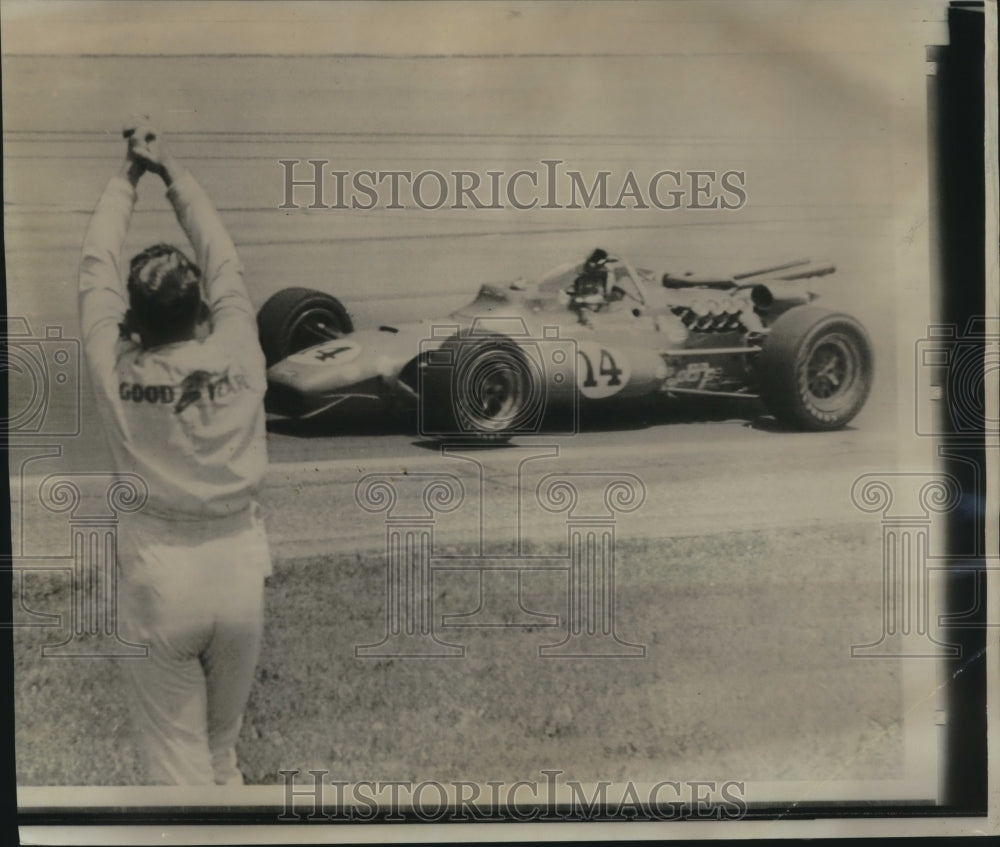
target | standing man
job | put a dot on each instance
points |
(179, 384)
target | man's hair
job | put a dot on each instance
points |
(164, 291)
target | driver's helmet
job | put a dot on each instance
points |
(591, 286)
(596, 260)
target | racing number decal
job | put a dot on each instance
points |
(602, 371)
(607, 368)
(333, 352)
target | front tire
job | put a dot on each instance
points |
(490, 391)
(816, 368)
(295, 319)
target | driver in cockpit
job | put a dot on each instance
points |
(590, 289)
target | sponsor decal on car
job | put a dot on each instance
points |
(334, 352)
(690, 375)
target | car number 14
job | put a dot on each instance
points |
(601, 371)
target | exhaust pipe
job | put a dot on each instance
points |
(765, 296)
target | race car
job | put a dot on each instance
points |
(535, 356)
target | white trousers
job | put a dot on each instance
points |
(192, 592)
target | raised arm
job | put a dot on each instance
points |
(216, 254)
(103, 302)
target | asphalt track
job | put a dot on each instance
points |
(696, 478)
(693, 477)
(703, 467)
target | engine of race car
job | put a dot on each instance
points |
(705, 310)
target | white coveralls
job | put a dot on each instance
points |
(188, 418)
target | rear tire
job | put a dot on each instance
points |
(297, 318)
(815, 369)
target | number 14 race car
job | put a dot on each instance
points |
(533, 356)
